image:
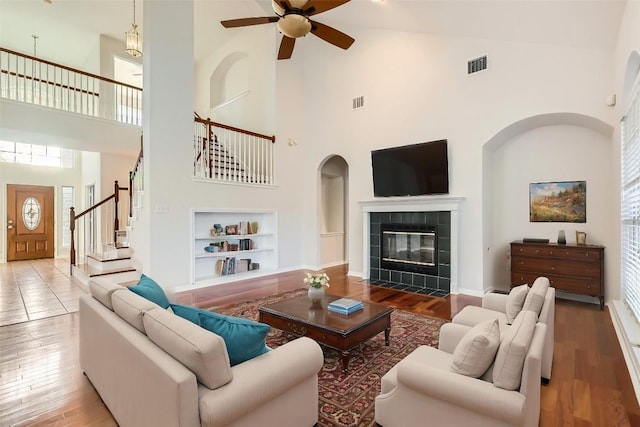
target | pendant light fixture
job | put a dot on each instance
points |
(134, 40)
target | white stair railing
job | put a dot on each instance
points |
(226, 153)
(28, 79)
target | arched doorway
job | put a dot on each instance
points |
(333, 211)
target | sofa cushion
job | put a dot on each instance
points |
(507, 368)
(187, 312)
(515, 301)
(245, 339)
(102, 289)
(535, 296)
(204, 353)
(131, 307)
(476, 350)
(150, 290)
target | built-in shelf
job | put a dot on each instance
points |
(206, 265)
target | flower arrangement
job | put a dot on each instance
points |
(320, 280)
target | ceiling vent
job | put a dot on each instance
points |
(358, 102)
(478, 64)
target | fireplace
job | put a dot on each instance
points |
(409, 247)
(413, 266)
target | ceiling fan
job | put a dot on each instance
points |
(293, 22)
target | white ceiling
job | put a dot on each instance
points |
(68, 30)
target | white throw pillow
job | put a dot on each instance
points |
(515, 301)
(535, 296)
(507, 369)
(476, 350)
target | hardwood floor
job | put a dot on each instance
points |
(41, 382)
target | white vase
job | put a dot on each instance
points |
(315, 294)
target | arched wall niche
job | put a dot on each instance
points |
(230, 79)
(543, 148)
(332, 210)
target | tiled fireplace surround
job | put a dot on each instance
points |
(439, 211)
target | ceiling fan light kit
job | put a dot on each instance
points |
(292, 17)
(294, 25)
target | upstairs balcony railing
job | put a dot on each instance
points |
(29, 79)
(226, 153)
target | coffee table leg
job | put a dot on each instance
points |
(345, 361)
(386, 336)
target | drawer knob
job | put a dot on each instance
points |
(537, 251)
(521, 262)
(521, 249)
(553, 268)
(550, 252)
(588, 286)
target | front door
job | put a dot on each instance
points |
(29, 222)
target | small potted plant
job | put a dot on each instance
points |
(317, 285)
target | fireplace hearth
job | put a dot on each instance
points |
(439, 213)
(411, 251)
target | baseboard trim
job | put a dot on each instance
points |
(628, 332)
(471, 292)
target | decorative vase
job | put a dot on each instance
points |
(315, 294)
(562, 239)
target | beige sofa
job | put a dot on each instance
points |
(153, 368)
(422, 389)
(494, 305)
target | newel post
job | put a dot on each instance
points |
(72, 227)
(116, 222)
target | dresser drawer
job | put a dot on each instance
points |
(564, 252)
(589, 287)
(545, 266)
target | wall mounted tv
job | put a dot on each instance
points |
(411, 170)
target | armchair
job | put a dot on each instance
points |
(494, 305)
(422, 390)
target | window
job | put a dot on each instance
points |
(37, 155)
(67, 203)
(630, 208)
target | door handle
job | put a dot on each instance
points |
(9, 224)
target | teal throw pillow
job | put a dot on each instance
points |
(150, 290)
(187, 312)
(245, 339)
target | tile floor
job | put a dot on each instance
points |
(37, 289)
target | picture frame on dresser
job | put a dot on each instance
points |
(581, 238)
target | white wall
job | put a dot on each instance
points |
(416, 89)
(543, 154)
(12, 173)
(254, 73)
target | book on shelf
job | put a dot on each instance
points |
(345, 306)
(225, 267)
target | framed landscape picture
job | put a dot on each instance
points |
(564, 201)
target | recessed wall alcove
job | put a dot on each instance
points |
(544, 148)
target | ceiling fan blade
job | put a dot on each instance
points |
(331, 35)
(286, 47)
(313, 7)
(244, 22)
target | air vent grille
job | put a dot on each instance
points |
(478, 64)
(358, 102)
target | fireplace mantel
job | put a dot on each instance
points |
(417, 204)
(414, 204)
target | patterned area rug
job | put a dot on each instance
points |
(347, 400)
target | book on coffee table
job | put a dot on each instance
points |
(345, 306)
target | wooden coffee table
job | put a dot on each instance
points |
(301, 317)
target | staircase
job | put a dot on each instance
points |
(113, 261)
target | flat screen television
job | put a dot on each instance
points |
(411, 170)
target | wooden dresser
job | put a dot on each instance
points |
(577, 269)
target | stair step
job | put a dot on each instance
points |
(107, 262)
(93, 272)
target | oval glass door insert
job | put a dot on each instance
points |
(31, 213)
